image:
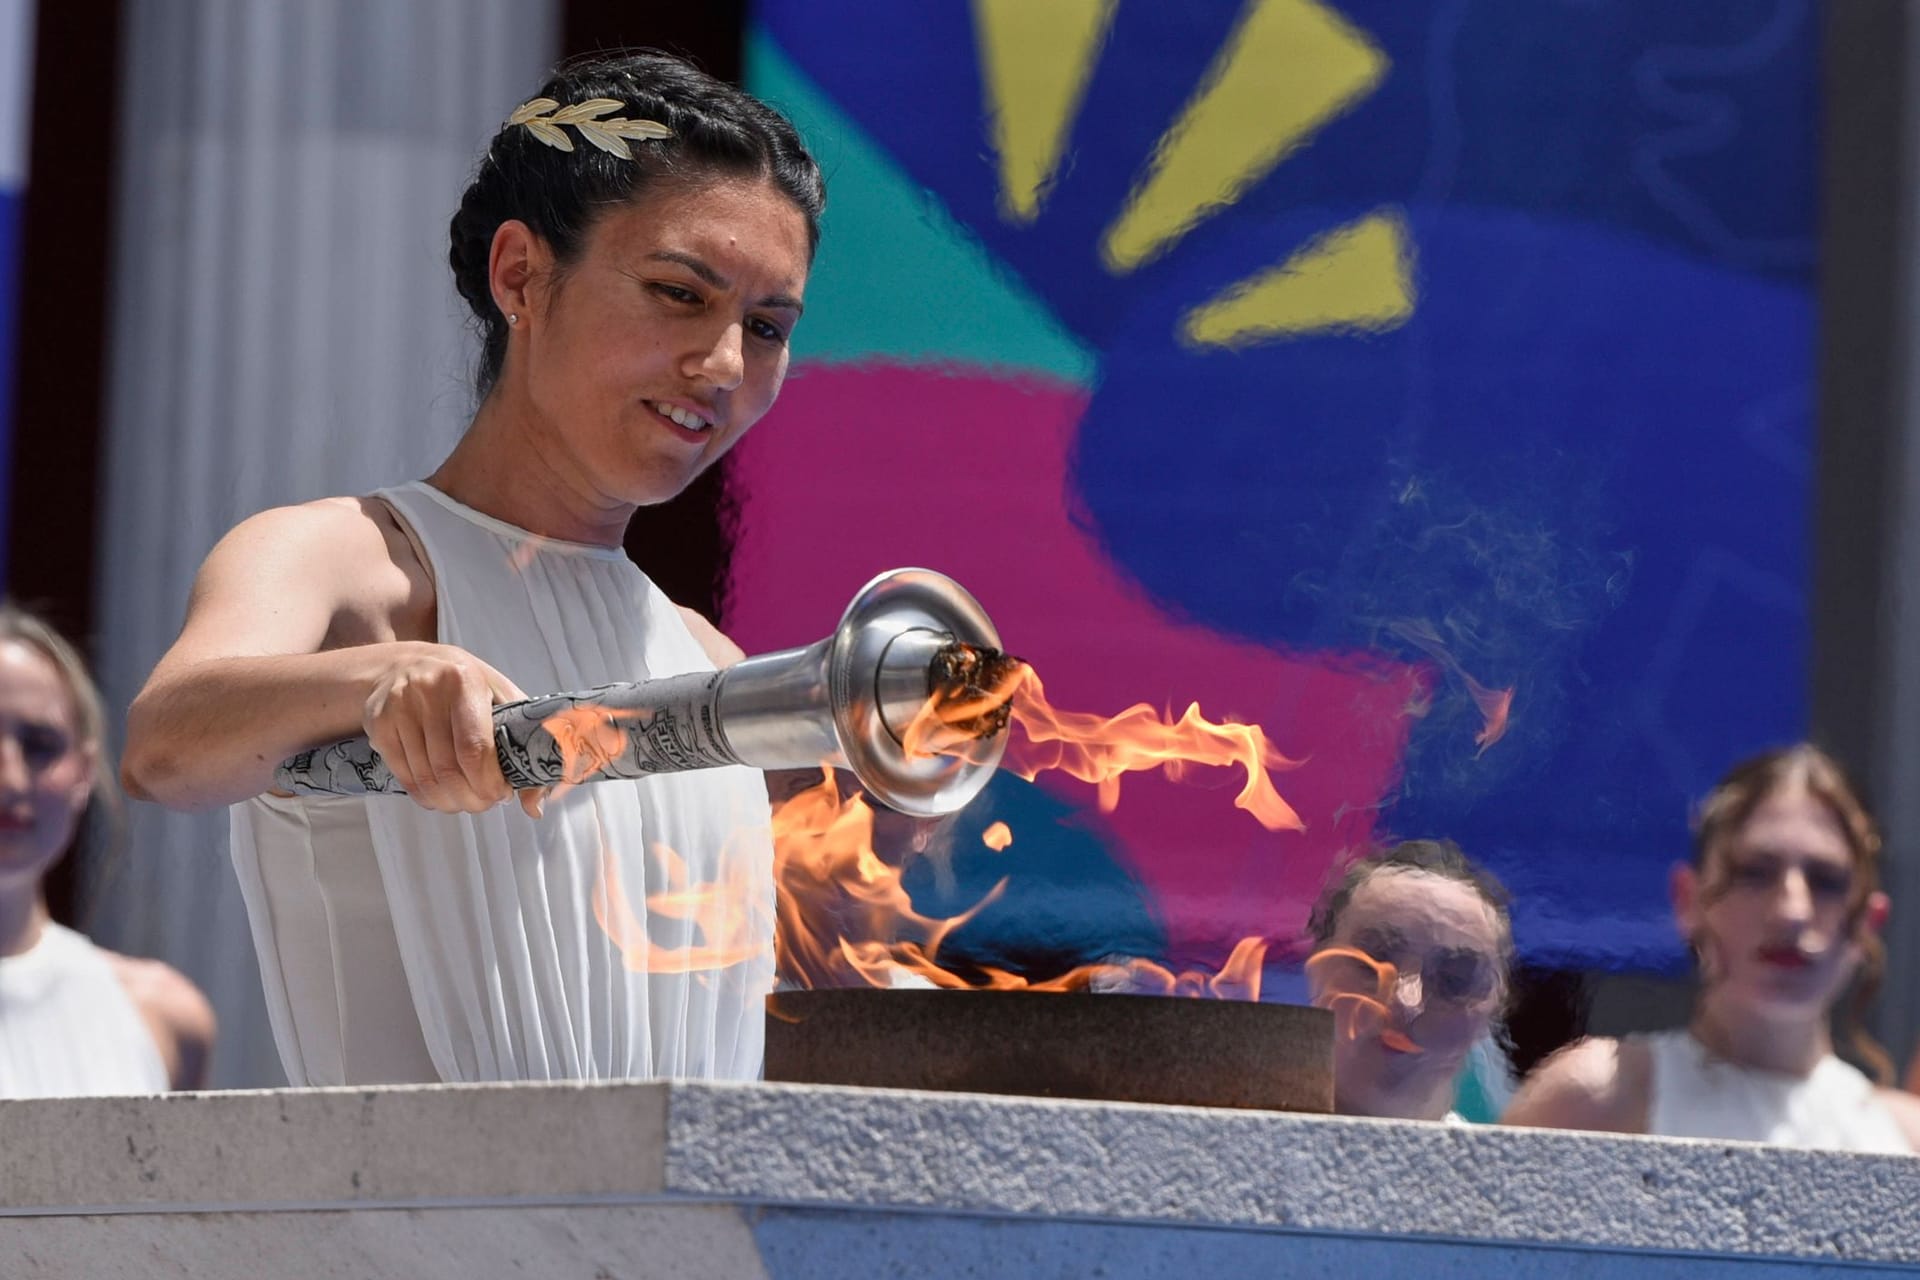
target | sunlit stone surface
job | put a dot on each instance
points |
(695, 1180)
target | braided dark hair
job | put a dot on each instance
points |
(718, 131)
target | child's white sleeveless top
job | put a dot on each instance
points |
(68, 1027)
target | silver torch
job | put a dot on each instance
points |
(910, 636)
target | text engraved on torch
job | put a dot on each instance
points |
(666, 743)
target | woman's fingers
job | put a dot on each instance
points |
(431, 715)
(533, 800)
(459, 782)
(417, 773)
(471, 740)
(383, 736)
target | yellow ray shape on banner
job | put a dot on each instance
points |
(1288, 68)
(1355, 278)
(1036, 56)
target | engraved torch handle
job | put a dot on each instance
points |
(849, 700)
(615, 731)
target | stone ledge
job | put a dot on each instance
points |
(334, 1148)
(1178, 1165)
(951, 1154)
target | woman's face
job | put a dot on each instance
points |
(652, 354)
(46, 772)
(1399, 1044)
(1774, 913)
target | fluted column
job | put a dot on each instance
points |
(284, 327)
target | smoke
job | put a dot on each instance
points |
(1494, 588)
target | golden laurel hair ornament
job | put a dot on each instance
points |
(592, 120)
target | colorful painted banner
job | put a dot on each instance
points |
(1428, 383)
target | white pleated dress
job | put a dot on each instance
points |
(397, 944)
(1697, 1095)
(68, 1027)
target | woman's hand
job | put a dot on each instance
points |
(430, 716)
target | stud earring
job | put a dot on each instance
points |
(513, 317)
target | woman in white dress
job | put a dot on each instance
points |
(1782, 906)
(74, 1019)
(634, 249)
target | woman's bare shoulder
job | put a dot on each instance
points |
(1905, 1109)
(360, 529)
(329, 572)
(175, 1011)
(352, 523)
(1598, 1083)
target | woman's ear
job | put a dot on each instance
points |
(1873, 916)
(516, 262)
(82, 794)
(1683, 886)
(1866, 926)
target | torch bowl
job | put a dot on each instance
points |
(1117, 1048)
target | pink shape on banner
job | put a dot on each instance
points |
(860, 470)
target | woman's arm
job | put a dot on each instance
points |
(177, 1015)
(1596, 1083)
(309, 624)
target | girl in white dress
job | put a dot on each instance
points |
(634, 248)
(1782, 906)
(74, 1019)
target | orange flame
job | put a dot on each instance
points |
(714, 924)
(719, 926)
(890, 965)
(845, 919)
(833, 886)
(588, 738)
(1356, 987)
(842, 914)
(522, 554)
(1495, 705)
(1100, 749)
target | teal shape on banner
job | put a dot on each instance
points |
(907, 289)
